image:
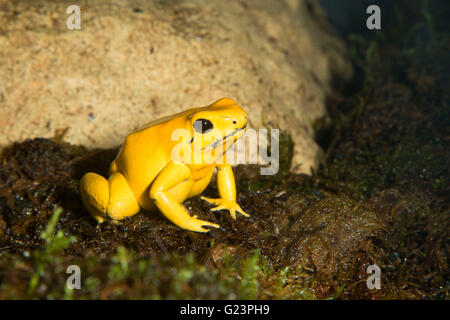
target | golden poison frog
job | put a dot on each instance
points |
(155, 170)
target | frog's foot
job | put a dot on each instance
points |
(224, 204)
(197, 225)
(103, 220)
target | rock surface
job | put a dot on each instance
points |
(130, 64)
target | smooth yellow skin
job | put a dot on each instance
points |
(146, 175)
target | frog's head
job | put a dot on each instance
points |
(217, 126)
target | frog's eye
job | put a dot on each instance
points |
(202, 125)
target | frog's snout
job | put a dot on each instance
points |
(240, 122)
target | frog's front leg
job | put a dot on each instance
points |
(227, 191)
(173, 174)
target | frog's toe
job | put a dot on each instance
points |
(245, 214)
(210, 200)
(221, 207)
(198, 225)
(223, 204)
(218, 208)
(98, 226)
(99, 220)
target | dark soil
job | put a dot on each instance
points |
(382, 197)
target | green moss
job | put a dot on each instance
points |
(50, 255)
(249, 283)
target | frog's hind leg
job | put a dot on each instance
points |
(110, 198)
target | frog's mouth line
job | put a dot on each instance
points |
(220, 142)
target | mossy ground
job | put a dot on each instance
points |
(381, 197)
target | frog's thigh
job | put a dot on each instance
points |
(122, 202)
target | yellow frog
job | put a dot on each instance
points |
(154, 169)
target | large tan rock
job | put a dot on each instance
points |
(135, 61)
